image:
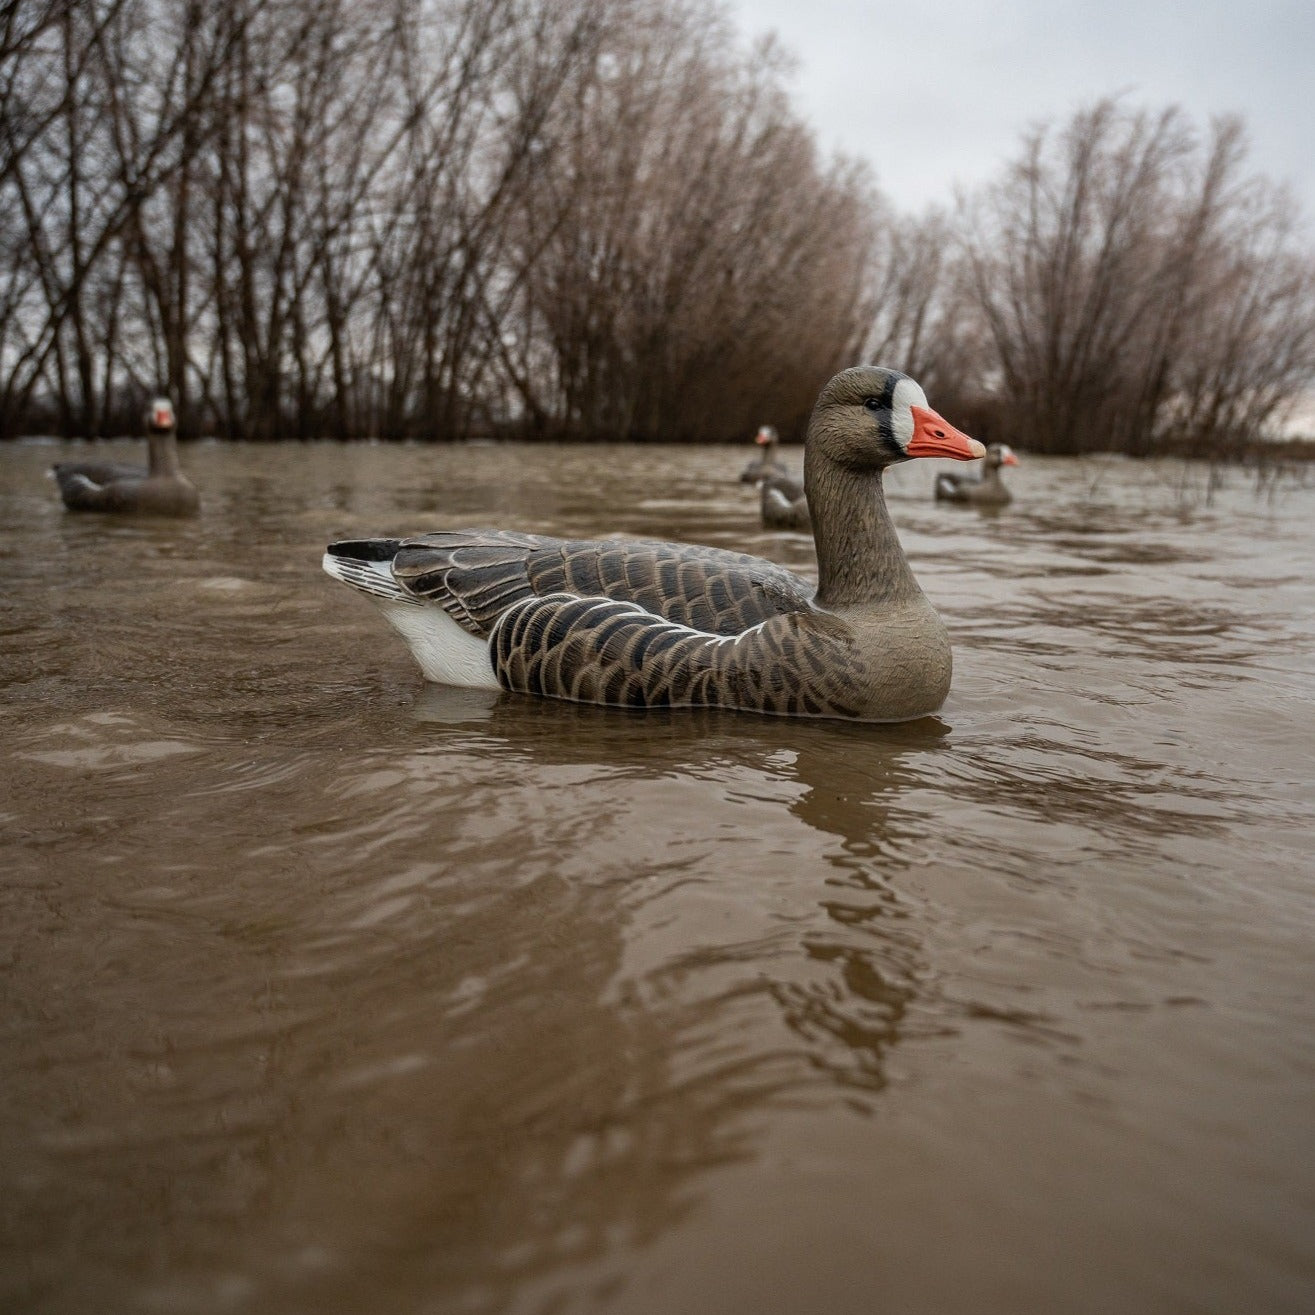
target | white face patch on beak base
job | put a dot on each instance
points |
(906, 395)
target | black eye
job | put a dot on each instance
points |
(872, 403)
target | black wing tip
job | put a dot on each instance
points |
(365, 550)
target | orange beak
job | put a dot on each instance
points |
(1009, 460)
(163, 417)
(935, 437)
(762, 438)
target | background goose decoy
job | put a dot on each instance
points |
(986, 489)
(767, 461)
(650, 624)
(783, 504)
(160, 490)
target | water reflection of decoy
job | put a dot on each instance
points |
(984, 490)
(160, 490)
(853, 959)
(647, 624)
(857, 787)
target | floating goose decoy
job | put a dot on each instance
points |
(784, 505)
(649, 624)
(160, 490)
(984, 490)
(765, 463)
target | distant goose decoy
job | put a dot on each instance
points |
(648, 624)
(783, 504)
(160, 490)
(984, 490)
(765, 463)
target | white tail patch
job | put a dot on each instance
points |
(447, 654)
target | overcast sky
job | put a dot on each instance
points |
(934, 92)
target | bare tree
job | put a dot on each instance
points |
(79, 185)
(1250, 354)
(1065, 254)
(1113, 261)
(697, 268)
(925, 319)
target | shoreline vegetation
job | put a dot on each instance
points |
(596, 220)
(1260, 453)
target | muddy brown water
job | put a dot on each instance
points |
(328, 991)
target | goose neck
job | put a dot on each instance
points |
(859, 558)
(163, 453)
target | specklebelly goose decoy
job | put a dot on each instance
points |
(766, 462)
(783, 504)
(650, 624)
(984, 490)
(160, 490)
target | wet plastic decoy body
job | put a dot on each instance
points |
(648, 624)
(984, 490)
(159, 490)
(783, 504)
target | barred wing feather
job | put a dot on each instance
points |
(477, 575)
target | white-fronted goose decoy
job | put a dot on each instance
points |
(766, 462)
(160, 490)
(984, 490)
(783, 503)
(649, 624)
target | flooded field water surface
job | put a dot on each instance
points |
(326, 990)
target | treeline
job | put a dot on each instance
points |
(586, 219)
(1138, 290)
(428, 218)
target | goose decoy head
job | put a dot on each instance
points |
(1000, 454)
(871, 416)
(160, 417)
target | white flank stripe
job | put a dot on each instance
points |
(447, 654)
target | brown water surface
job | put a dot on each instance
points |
(328, 991)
